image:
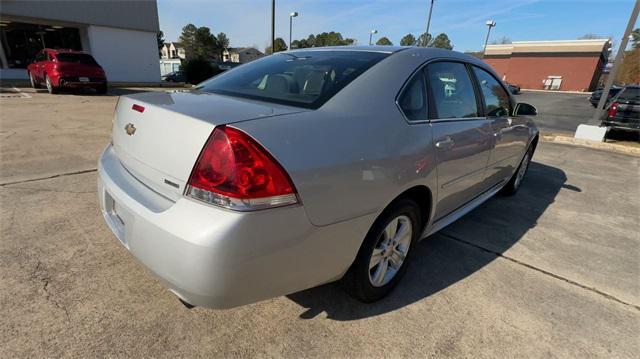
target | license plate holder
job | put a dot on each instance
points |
(83, 79)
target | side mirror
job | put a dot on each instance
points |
(524, 109)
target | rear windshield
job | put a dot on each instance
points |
(630, 94)
(306, 79)
(76, 58)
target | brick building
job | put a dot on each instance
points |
(568, 65)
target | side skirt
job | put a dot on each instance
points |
(458, 213)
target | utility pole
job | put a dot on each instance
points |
(428, 24)
(273, 26)
(616, 64)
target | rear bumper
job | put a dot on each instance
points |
(74, 82)
(217, 258)
(631, 125)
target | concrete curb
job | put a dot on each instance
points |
(554, 91)
(605, 146)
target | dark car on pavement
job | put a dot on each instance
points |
(62, 68)
(514, 89)
(624, 110)
(176, 76)
(597, 94)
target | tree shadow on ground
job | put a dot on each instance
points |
(454, 253)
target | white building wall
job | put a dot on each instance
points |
(125, 55)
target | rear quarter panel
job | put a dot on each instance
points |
(357, 153)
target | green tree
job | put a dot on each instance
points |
(408, 40)
(629, 71)
(442, 41)
(188, 38)
(384, 41)
(206, 45)
(160, 39)
(223, 42)
(424, 40)
(197, 70)
(278, 44)
(331, 39)
(635, 38)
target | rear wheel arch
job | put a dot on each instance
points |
(423, 197)
(534, 142)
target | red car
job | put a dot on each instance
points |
(58, 69)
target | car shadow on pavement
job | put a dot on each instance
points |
(454, 253)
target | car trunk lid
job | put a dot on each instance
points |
(158, 136)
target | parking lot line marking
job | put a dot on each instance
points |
(24, 95)
(49, 177)
(566, 280)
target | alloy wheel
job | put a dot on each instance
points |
(390, 251)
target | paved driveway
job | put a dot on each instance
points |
(550, 272)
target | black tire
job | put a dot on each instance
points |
(514, 183)
(52, 89)
(357, 281)
(101, 90)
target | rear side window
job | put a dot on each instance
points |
(76, 58)
(629, 94)
(413, 100)
(305, 79)
(496, 99)
(452, 90)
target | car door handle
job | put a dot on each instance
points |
(445, 144)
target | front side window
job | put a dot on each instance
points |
(496, 99)
(452, 90)
(413, 100)
(306, 78)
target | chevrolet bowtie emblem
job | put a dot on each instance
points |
(130, 129)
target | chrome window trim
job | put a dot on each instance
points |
(421, 67)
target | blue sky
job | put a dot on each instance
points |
(247, 22)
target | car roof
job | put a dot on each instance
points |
(64, 51)
(373, 48)
(424, 52)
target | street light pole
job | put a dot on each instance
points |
(273, 25)
(428, 24)
(490, 24)
(371, 35)
(291, 16)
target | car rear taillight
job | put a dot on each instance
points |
(613, 110)
(236, 172)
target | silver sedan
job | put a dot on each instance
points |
(307, 167)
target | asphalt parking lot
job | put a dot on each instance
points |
(550, 272)
(559, 112)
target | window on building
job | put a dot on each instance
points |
(21, 42)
